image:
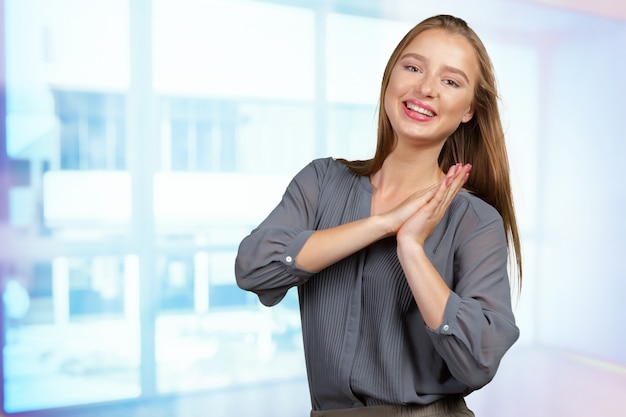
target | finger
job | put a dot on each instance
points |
(450, 174)
(455, 184)
(454, 172)
(460, 177)
(441, 195)
(454, 180)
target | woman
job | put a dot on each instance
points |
(402, 269)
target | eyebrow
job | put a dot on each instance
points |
(446, 67)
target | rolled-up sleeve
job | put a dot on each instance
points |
(478, 326)
(265, 262)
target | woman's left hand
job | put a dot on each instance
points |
(421, 224)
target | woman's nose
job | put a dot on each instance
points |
(426, 86)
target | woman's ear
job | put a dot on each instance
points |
(468, 116)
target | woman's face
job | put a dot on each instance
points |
(431, 87)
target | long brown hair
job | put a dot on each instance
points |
(479, 141)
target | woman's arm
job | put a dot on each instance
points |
(472, 322)
(476, 326)
(428, 287)
(285, 250)
(265, 258)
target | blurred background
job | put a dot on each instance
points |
(141, 140)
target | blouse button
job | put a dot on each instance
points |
(446, 327)
(289, 259)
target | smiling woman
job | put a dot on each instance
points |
(402, 275)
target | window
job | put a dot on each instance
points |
(145, 139)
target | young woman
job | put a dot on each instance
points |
(401, 260)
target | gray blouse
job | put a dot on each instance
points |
(365, 341)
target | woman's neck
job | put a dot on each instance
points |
(406, 173)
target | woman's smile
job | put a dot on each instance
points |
(419, 111)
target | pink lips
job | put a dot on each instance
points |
(416, 115)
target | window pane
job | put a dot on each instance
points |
(233, 48)
(362, 62)
(352, 130)
(72, 334)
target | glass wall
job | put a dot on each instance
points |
(152, 136)
(144, 139)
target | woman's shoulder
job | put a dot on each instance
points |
(329, 163)
(471, 203)
(333, 177)
(322, 173)
(329, 167)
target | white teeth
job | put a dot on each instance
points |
(418, 109)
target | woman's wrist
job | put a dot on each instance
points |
(409, 246)
(384, 225)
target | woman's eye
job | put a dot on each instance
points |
(412, 68)
(451, 83)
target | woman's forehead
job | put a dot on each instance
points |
(442, 48)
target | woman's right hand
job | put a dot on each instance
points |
(395, 218)
(421, 224)
(444, 190)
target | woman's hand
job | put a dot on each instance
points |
(395, 218)
(434, 203)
